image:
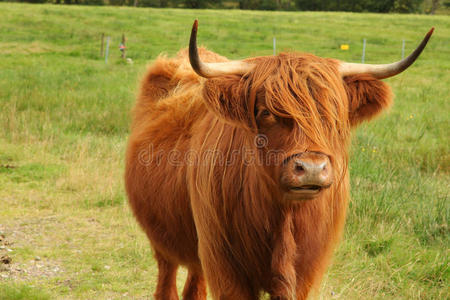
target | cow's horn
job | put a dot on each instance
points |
(387, 70)
(213, 69)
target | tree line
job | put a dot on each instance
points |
(379, 6)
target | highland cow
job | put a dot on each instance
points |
(238, 170)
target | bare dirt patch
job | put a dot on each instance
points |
(12, 266)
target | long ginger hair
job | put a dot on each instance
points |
(222, 210)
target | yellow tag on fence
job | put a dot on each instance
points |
(345, 47)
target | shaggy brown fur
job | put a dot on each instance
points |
(208, 196)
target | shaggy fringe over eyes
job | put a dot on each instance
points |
(310, 91)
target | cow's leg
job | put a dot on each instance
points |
(195, 286)
(284, 281)
(166, 288)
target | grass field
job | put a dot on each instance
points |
(64, 120)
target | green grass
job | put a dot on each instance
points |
(21, 292)
(64, 121)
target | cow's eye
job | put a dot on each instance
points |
(264, 117)
(265, 113)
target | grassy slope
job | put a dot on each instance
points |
(64, 123)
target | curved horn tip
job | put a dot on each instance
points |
(194, 29)
(193, 52)
(429, 34)
(209, 70)
(195, 25)
(386, 70)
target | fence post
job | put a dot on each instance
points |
(363, 58)
(123, 48)
(107, 49)
(101, 45)
(403, 48)
(274, 46)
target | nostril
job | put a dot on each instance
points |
(323, 167)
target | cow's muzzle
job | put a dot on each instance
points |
(306, 175)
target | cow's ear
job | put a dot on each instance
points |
(227, 97)
(367, 97)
